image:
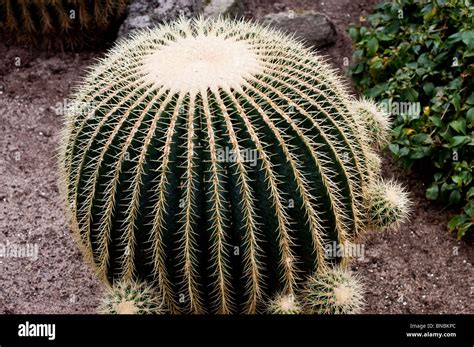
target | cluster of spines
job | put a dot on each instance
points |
(311, 123)
(336, 291)
(284, 304)
(128, 297)
(389, 205)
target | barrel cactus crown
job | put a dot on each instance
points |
(216, 160)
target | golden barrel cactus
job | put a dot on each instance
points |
(216, 159)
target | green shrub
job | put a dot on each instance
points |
(417, 58)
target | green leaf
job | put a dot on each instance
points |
(394, 148)
(428, 12)
(470, 193)
(459, 125)
(456, 101)
(398, 131)
(424, 59)
(393, 28)
(469, 209)
(458, 140)
(416, 49)
(468, 38)
(454, 38)
(357, 68)
(440, 57)
(420, 139)
(466, 177)
(404, 151)
(457, 179)
(376, 64)
(432, 192)
(372, 46)
(353, 34)
(420, 71)
(358, 55)
(377, 90)
(455, 197)
(428, 88)
(418, 153)
(470, 115)
(468, 54)
(470, 99)
(436, 121)
(456, 221)
(409, 94)
(445, 189)
(462, 230)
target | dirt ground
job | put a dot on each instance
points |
(420, 268)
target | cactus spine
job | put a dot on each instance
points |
(216, 159)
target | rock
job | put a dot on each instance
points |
(148, 13)
(215, 8)
(145, 14)
(315, 28)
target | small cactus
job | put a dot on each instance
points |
(390, 205)
(377, 122)
(130, 298)
(284, 304)
(335, 291)
(215, 159)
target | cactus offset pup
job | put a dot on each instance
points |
(216, 160)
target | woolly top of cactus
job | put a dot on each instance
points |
(192, 56)
(288, 303)
(342, 294)
(126, 307)
(199, 62)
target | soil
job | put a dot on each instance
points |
(419, 268)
